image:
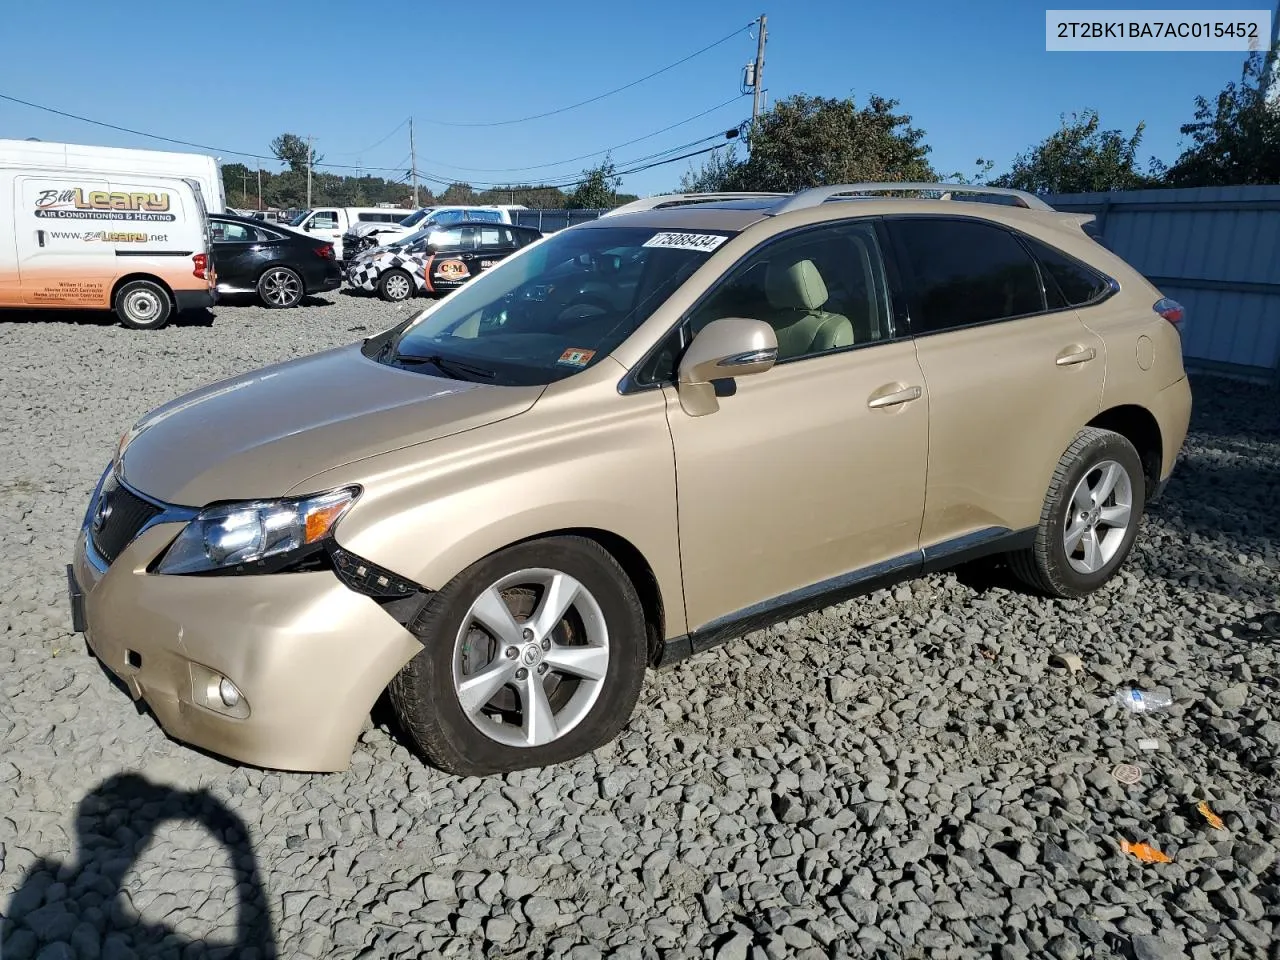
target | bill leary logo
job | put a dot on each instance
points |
(78, 204)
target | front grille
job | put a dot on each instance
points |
(117, 518)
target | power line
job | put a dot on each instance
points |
(594, 153)
(595, 99)
(349, 153)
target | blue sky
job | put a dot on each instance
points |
(232, 75)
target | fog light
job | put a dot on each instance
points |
(228, 692)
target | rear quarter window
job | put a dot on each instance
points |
(1078, 283)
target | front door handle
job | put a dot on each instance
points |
(878, 400)
(1075, 354)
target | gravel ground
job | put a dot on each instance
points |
(905, 775)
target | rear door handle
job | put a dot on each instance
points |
(878, 401)
(1075, 354)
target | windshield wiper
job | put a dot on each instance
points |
(451, 368)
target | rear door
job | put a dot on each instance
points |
(59, 225)
(1011, 379)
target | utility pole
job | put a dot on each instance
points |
(310, 154)
(413, 164)
(259, 186)
(758, 71)
(244, 188)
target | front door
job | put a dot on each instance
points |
(813, 473)
(1011, 381)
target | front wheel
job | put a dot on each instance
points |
(395, 286)
(532, 656)
(143, 305)
(1090, 518)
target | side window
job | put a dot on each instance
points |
(232, 232)
(495, 238)
(324, 220)
(440, 239)
(449, 216)
(1079, 285)
(820, 290)
(966, 272)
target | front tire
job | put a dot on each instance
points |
(532, 656)
(1090, 518)
(143, 305)
(280, 288)
(395, 286)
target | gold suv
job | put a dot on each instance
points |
(628, 442)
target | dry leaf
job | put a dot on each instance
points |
(1145, 852)
(1213, 819)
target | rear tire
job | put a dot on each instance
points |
(280, 288)
(1090, 518)
(395, 286)
(143, 305)
(552, 686)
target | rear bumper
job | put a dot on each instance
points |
(308, 655)
(194, 299)
(1172, 409)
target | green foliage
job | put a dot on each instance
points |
(809, 141)
(292, 149)
(598, 189)
(1079, 157)
(1235, 138)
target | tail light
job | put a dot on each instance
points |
(200, 266)
(1172, 311)
(325, 251)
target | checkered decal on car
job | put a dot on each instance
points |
(366, 273)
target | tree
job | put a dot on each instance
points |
(714, 174)
(809, 141)
(236, 187)
(1079, 157)
(1236, 137)
(458, 194)
(598, 187)
(292, 149)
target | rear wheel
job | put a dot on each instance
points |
(1090, 518)
(143, 305)
(280, 288)
(532, 656)
(395, 286)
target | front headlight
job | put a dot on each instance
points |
(237, 534)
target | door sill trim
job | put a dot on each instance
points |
(856, 583)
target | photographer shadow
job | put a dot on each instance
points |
(87, 906)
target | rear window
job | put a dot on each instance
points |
(1076, 284)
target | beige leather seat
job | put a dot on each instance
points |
(796, 294)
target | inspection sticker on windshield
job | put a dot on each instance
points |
(573, 357)
(705, 242)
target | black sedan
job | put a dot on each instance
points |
(279, 265)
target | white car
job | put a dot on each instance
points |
(365, 236)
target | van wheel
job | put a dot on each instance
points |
(532, 656)
(143, 305)
(1090, 518)
(395, 286)
(280, 288)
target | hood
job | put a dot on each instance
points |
(260, 435)
(364, 229)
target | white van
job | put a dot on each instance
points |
(75, 156)
(366, 236)
(332, 222)
(138, 244)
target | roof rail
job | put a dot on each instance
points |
(815, 196)
(680, 199)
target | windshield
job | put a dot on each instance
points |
(415, 217)
(299, 218)
(557, 307)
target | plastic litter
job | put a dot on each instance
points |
(1210, 817)
(1141, 701)
(1147, 744)
(1144, 852)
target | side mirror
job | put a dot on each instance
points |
(723, 350)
